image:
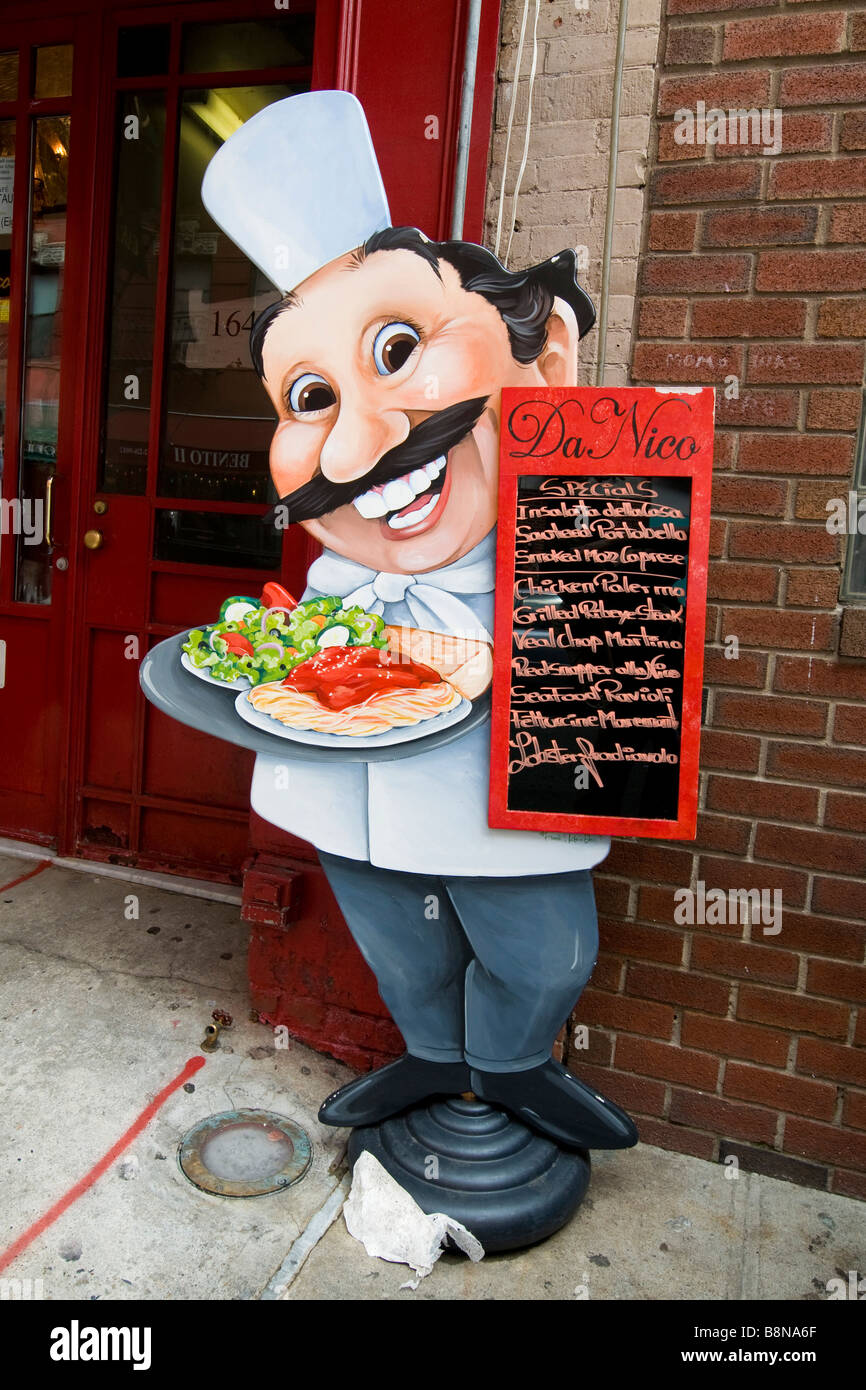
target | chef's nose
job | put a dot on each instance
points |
(359, 437)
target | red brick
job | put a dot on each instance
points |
(679, 987)
(750, 497)
(706, 183)
(623, 1014)
(830, 978)
(806, 362)
(786, 544)
(750, 583)
(812, 498)
(793, 1012)
(849, 724)
(674, 231)
(814, 455)
(773, 800)
(723, 834)
(792, 1094)
(724, 449)
(730, 752)
(823, 86)
(818, 178)
(848, 223)
(845, 812)
(732, 1038)
(600, 1050)
(743, 960)
(727, 89)
(858, 32)
(690, 44)
(748, 318)
(718, 533)
(663, 318)
(842, 896)
(801, 132)
(821, 271)
(849, 1184)
(842, 318)
(812, 588)
(820, 936)
(855, 1111)
(722, 1117)
(761, 226)
(770, 714)
(676, 1139)
(812, 849)
(707, 6)
(739, 873)
(838, 680)
(852, 135)
(644, 860)
(836, 766)
(784, 36)
(828, 1143)
(752, 407)
(704, 274)
(611, 894)
(689, 362)
(860, 1028)
(635, 1093)
(833, 410)
(749, 669)
(769, 628)
(632, 940)
(670, 150)
(667, 1062)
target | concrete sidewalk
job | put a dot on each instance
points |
(99, 1010)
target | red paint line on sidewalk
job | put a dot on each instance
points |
(43, 864)
(193, 1065)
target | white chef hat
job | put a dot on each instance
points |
(298, 185)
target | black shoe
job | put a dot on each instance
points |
(553, 1101)
(390, 1089)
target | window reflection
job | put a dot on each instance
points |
(53, 71)
(218, 424)
(140, 124)
(217, 538)
(44, 331)
(7, 175)
(8, 76)
(242, 46)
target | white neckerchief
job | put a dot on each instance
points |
(431, 596)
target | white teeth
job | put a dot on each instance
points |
(397, 523)
(399, 493)
(370, 504)
(419, 479)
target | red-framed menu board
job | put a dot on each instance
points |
(601, 582)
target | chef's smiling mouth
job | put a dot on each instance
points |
(410, 504)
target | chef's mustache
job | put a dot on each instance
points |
(434, 436)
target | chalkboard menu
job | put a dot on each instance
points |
(600, 603)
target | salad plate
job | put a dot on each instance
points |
(203, 674)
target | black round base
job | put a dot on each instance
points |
(507, 1184)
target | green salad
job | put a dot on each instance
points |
(264, 639)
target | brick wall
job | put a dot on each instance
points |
(719, 1038)
(563, 195)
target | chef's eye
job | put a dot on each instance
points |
(310, 392)
(393, 346)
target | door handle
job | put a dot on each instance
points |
(93, 540)
(49, 511)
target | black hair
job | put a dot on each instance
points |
(524, 298)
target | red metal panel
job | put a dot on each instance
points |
(110, 711)
(183, 763)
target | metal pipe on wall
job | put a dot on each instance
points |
(464, 133)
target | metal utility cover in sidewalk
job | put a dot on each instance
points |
(245, 1153)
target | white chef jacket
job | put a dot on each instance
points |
(426, 813)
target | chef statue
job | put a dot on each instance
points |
(384, 360)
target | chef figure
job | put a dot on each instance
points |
(384, 360)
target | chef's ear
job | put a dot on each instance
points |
(558, 361)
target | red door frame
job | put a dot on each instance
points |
(23, 33)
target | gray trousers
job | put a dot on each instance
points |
(485, 969)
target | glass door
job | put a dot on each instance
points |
(42, 234)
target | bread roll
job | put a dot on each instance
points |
(463, 662)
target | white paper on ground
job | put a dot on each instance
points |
(391, 1226)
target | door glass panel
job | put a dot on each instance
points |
(8, 76)
(258, 43)
(41, 394)
(218, 422)
(7, 171)
(53, 71)
(140, 126)
(142, 50)
(216, 538)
